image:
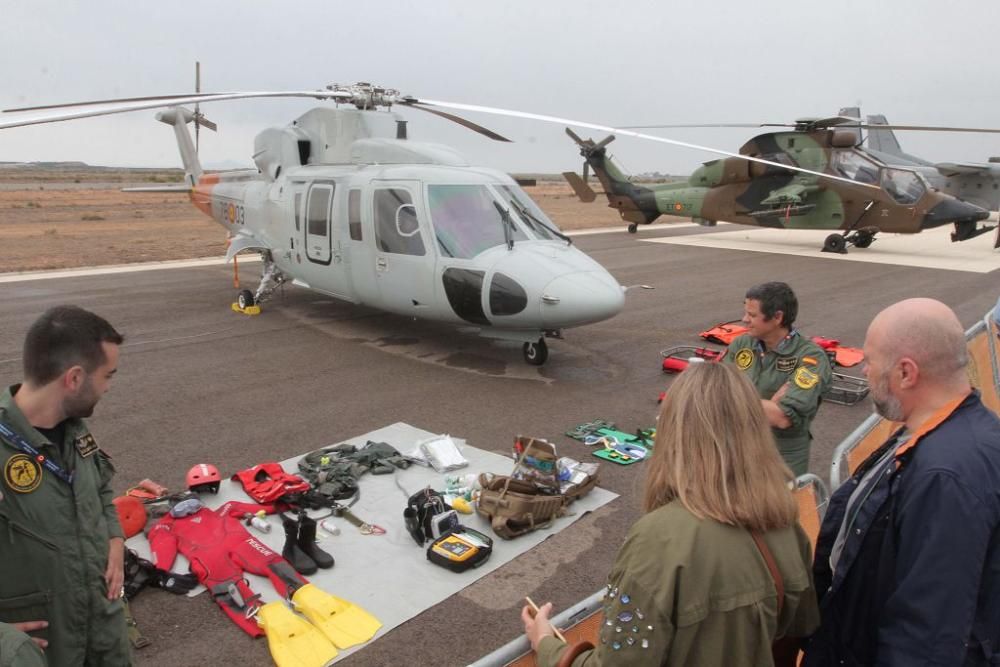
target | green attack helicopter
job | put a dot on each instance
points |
(845, 188)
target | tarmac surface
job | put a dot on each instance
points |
(200, 383)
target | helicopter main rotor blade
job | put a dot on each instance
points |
(163, 101)
(638, 135)
(120, 100)
(819, 124)
(461, 121)
(689, 125)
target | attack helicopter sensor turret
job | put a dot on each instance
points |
(342, 202)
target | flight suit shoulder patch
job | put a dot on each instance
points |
(786, 364)
(86, 445)
(805, 378)
(744, 359)
(22, 473)
(812, 361)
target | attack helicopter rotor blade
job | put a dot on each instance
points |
(638, 135)
(927, 128)
(461, 121)
(689, 125)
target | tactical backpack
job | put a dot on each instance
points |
(515, 507)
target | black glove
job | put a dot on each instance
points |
(180, 584)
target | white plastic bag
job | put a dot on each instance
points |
(442, 453)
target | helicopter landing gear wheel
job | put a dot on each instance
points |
(244, 299)
(864, 239)
(835, 243)
(536, 353)
(633, 228)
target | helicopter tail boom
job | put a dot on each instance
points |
(179, 117)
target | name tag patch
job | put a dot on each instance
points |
(786, 364)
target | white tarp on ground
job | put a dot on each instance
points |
(389, 575)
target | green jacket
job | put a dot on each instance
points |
(689, 591)
(805, 368)
(54, 538)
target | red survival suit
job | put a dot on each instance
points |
(221, 550)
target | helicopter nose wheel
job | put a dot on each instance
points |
(835, 243)
(536, 353)
(863, 239)
(633, 228)
(244, 299)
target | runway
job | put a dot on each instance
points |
(200, 383)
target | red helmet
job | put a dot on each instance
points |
(203, 477)
(131, 514)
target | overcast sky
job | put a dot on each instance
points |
(628, 63)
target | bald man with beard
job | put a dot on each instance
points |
(908, 559)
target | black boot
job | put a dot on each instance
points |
(307, 542)
(291, 552)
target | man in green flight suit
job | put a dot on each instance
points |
(62, 547)
(790, 371)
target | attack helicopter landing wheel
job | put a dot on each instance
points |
(864, 239)
(536, 353)
(835, 243)
(633, 228)
(244, 299)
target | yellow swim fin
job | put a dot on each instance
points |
(343, 623)
(293, 641)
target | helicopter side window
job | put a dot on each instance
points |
(466, 220)
(318, 217)
(354, 214)
(903, 186)
(397, 229)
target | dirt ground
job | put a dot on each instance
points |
(65, 218)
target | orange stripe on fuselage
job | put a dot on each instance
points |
(201, 194)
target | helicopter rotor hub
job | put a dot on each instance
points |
(364, 95)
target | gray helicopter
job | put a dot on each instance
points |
(343, 203)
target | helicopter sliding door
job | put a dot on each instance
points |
(319, 204)
(405, 263)
(324, 269)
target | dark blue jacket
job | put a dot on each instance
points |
(918, 581)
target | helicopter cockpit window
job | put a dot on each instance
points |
(855, 167)
(466, 220)
(397, 229)
(534, 219)
(903, 186)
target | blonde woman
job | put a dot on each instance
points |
(690, 585)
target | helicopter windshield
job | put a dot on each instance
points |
(528, 211)
(856, 167)
(467, 221)
(903, 186)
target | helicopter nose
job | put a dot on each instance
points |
(580, 298)
(953, 210)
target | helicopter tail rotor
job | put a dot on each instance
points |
(200, 120)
